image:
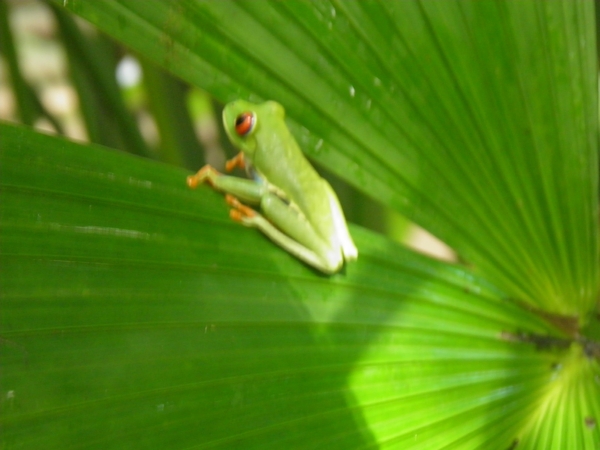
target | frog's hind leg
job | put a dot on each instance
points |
(291, 231)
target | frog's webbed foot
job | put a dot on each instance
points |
(208, 173)
(237, 161)
(240, 212)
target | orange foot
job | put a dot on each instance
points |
(236, 161)
(239, 211)
(207, 173)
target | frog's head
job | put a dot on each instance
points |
(242, 121)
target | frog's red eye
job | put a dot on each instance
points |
(244, 123)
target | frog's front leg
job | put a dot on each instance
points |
(248, 190)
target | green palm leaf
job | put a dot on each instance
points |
(135, 314)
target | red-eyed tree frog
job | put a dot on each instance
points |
(301, 212)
